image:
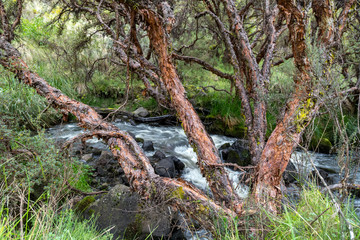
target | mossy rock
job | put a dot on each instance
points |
(83, 204)
(240, 158)
(123, 211)
(323, 145)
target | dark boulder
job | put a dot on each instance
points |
(148, 146)
(324, 174)
(158, 155)
(105, 158)
(108, 169)
(95, 148)
(165, 168)
(224, 146)
(179, 165)
(291, 174)
(127, 217)
(237, 153)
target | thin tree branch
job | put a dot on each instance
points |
(204, 64)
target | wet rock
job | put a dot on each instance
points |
(122, 211)
(291, 174)
(108, 169)
(237, 153)
(291, 194)
(95, 148)
(76, 149)
(105, 158)
(165, 168)
(101, 172)
(224, 146)
(139, 140)
(324, 174)
(179, 165)
(158, 155)
(148, 146)
(87, 157)
(178, 235)
(141, 112)
(125, 180)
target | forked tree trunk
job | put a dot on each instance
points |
(299, 109)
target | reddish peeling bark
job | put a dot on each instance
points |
(130, 156)
(8, 27)
(343, 16)
(208, 156)
(250, 80)
(286, 135)
(324, 18)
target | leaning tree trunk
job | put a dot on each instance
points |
(142, 178)
(208, 156)
(299, 109)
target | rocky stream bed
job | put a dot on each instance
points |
(125, 214)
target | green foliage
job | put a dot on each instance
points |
(36, 29)
(314, 217)
(33, 184)
(45, 224)
(36, 158)
(227, 229)
(147, 102)
(21, 105)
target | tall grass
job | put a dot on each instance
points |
(34, 192)
(44, 220)
(314, 217)
(22, 105)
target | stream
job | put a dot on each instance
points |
(172, 141)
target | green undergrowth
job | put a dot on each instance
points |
(34, 186)
(22, 105)
(45, 221)
(314, 217)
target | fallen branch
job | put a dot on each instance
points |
(339, 186)
(204, 64)
(218, 90)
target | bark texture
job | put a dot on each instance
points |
(287, 133)
(208, 156)
(137, 167)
